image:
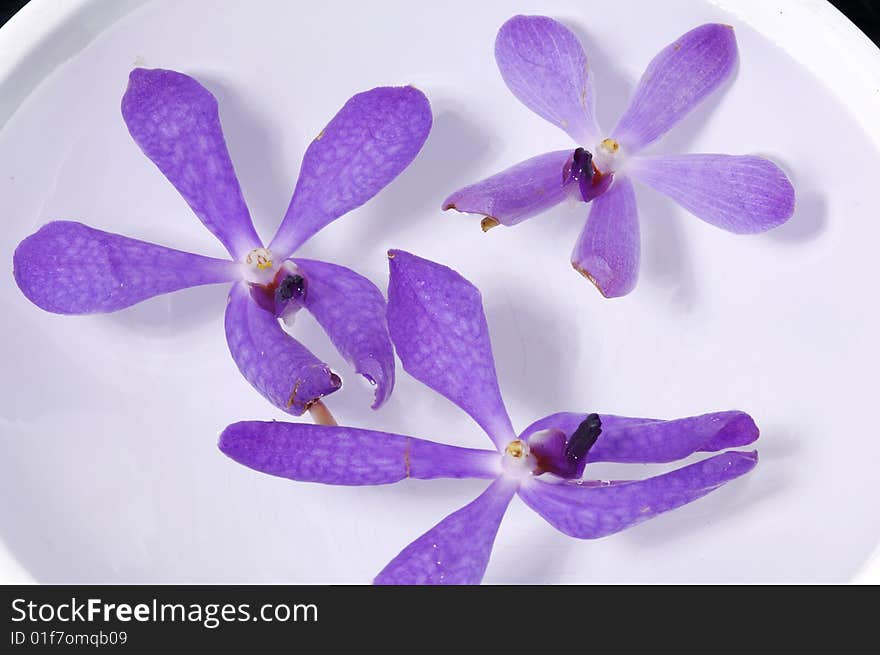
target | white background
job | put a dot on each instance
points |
(108, 423)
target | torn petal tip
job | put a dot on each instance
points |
(488, 223)
(589, 276)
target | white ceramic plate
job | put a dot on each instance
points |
(109, 468)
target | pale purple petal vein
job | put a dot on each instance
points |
(609, 247)
(176, 123)
(437, 324)
(70, 268)
(544, 65)
(276, 364)
(456, 551)
(349, 456)
(351, 310)
(517, 193)
(591, 511)
(741, 194)
(676, 81)
(372, 139)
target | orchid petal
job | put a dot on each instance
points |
(349, 456)
(276, 364)
(740, 194)
(593, 510)
(351, 309)
(372, 139)
(678, 79)
(643, 440)
(544, 65)
(607, 251)
(456, 551)
(517, 193)
(437, 324)
(175, 121)
(71, 268)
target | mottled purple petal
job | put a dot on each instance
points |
(175, 122)
(278, 366)
(71, 268)
(437, 324)
(544, 66)
(741, 194)
(642, 440)
(456, 551)
(351, 309)
(607, 251)
(517, 193)
(372, 139)
(349, 456)
(590, 511)
(678, 79)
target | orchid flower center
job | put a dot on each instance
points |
(259, 266)
(608, 156)
(587, 176)
(565, 455)
(258, 259)
(517, 460)
(281, 291)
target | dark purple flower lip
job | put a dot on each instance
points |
(292, 286)
(564, 455)
(580, 442)
(284, 294)
(581, 169)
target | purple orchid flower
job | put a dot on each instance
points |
(70, 268)
(437, 324)
(545, 67)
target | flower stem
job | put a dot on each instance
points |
(320, 414)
